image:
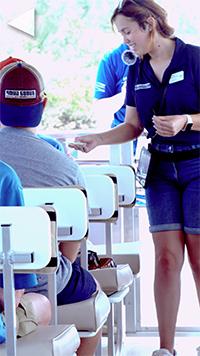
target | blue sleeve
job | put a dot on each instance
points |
(106, 80)
(11, 191)
(53, 142)
(22, 280)
(131, 81)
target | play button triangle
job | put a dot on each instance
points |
(25, 22)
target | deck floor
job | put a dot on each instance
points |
(145, 345)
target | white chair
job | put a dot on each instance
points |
(126, 252)
(126, 182)
(89, 315)
(102, 191)
(105, 198)
(71, 207)
(26, 246)
(70, 203)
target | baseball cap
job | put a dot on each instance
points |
(21, 94)
(9, 60)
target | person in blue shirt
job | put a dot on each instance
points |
(163, 96)
(11, 194)
(110, 90)
(10, 187)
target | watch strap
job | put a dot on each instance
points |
(188, 124)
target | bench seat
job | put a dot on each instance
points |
(87, 315)
(60, 340)
(113, 279)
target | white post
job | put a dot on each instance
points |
(9, 293)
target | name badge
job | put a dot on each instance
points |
(176, 77)
(143, 86)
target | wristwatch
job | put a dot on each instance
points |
(189, 123)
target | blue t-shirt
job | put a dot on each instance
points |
(52, 141)
(11, 191)
(181, 84)
(11, 194)
(111, 76)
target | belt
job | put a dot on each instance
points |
(174, 156)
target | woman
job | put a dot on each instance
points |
(163, 96)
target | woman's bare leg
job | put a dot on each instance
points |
(169, 257)
(193, 248)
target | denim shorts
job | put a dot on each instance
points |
(173, 195)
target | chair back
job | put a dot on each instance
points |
(126, 180)
(25, 246)
(102, 197)
(71, 207)
(30, 232)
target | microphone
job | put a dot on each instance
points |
(129, 57)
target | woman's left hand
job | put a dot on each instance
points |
(169, 125)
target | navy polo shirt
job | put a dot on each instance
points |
(111, 75)
(181, 84)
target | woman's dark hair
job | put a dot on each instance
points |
(140, 11)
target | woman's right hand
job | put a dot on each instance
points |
(85, 143)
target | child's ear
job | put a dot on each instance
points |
(44, 101)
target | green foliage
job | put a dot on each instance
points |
(71, 34)
(71, 37)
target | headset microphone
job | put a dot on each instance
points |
(129, 57)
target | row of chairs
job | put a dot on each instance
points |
(119, 280)
(107, 188)
(26, 246)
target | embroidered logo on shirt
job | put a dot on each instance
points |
(143, 86)
(176, 77)
(20, 94)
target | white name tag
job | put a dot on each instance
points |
(20, 94)
(142, 86)
(176, 77)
